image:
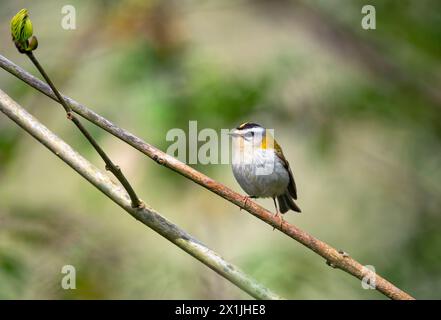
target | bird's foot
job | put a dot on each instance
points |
(278, 215)
(246, 199)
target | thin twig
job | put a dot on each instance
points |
(330, 254)
(145, 214)
(116, 170)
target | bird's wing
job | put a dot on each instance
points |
(292, 184)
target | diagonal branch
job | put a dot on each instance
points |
(333, 257)
(116, 170)
(117, 194)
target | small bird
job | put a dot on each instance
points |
(260, 167)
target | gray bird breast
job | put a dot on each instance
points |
(261, 173)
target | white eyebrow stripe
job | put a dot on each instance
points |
(245, 131)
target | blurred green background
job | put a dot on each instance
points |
(358, 113)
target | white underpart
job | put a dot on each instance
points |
(260, 172)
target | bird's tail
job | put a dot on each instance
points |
(286, 203)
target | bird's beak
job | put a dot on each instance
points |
(234, 133)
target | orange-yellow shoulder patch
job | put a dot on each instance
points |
(267, 141)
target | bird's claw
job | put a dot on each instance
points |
(278, 215)
(245, 201)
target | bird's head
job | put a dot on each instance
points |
(249, 134)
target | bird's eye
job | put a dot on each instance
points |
(252, 134)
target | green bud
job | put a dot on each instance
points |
(21, 29)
